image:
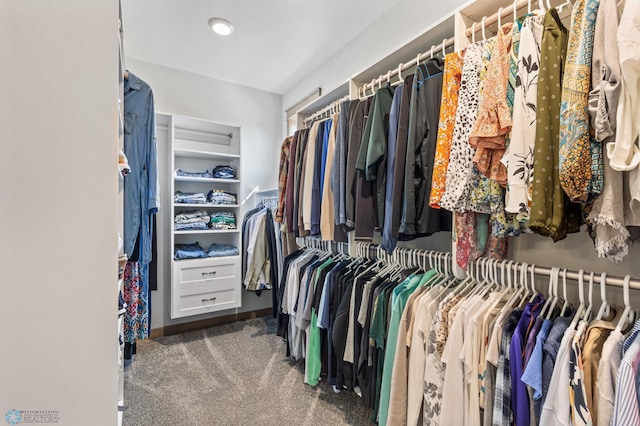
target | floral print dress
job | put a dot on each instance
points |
(434, 367)
(136, 297)
(494, 116)
(518, 157)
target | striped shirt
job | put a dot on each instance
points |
(626, 411)
(632, 336)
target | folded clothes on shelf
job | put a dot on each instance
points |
(224, 172)
(205, 174)
(223, 220)
(192, 217)
(189, 198)
(188, 251)
(220, 250)
(220, 196)
(196, 226)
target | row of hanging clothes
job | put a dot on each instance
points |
(339, 313)
(367, 168)
(262, 248)
(141, 204)
(529, 131)
(421, 346)
(525, 120)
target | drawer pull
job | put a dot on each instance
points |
(208, 300)
(204, 274)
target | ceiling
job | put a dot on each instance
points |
(274, 45)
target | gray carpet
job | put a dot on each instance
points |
(236, 374)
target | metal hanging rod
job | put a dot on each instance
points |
(544, 271)
(441, 48)
(326, 245)
(333, 106)
(511, 10)
(406, 255)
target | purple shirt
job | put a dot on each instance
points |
(531, 341)
(519, 395)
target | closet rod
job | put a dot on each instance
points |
(326, 245)
(405, 66)
(203, 133)
(409, 255)
(335, 104)
(504, 12)
(614, 281)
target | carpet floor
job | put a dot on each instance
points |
(235, 374)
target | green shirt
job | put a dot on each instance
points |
(398, 302)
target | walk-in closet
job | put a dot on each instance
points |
(391, 212)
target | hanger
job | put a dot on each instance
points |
(529, 7)
(533, 283)
(513, 290)
(524, 282)
(580, 311)
(488, 281)
(460, 288)
(418, 60)
(541, 5)
(505, 289)
(480, 271)
(587, 313)
(444, 53)
(389, 77)
(547, 303)
(473, 33)
(515, 11)
(556, 276)
(604, 308)
(561, 7)
(432, 51)
(564, 292)
(484, 36)
(499, 18)
(627, 314)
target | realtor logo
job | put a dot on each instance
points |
(13, 417)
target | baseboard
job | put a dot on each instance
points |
(206, 323)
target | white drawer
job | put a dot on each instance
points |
(205, 299)
(206, 270)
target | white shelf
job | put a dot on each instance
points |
(199, 260)
(196, 145)
(204, 180)
(205, 155)
(210, 231)
(207, 206)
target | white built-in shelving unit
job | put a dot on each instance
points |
(201, 286)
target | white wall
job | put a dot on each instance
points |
(405, 21)
(256, 112)
(58, 186)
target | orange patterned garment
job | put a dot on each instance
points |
(494, 117)
(450, 88)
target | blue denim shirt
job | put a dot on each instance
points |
(141, 185)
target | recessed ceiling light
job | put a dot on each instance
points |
(221, 26)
